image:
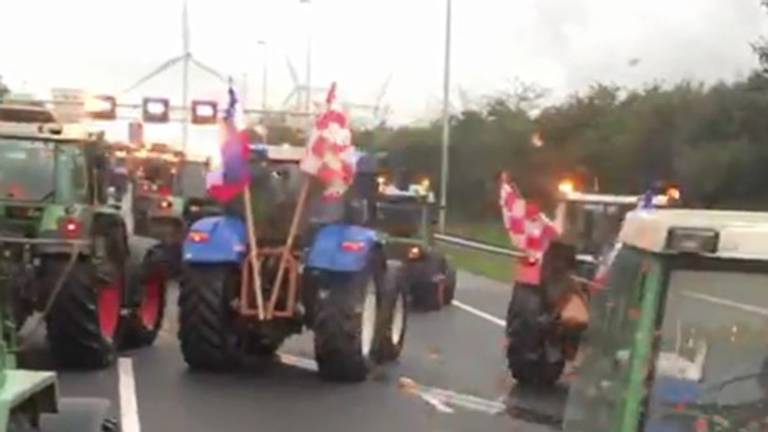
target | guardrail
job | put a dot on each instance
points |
(483, 247)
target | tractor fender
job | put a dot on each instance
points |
(343, 248)
(216, 239)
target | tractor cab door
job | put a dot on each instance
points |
(609, 388)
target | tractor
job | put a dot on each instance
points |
(168, 195)
(406, 212)
(318, 264)
(65, 251)
(549, 311)
(30, 398)
(676, 339)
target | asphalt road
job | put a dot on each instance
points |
(452, 365)
(450, 377)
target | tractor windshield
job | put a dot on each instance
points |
(33, 170)
(712, 362)
(595, 225)
(26, 169)
(707, 363)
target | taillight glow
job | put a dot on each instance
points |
(166, 204)
(70, 228)
(353, 246)
(198, 236)
(414, 252)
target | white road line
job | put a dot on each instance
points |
(498, 321)
(725, 302)
(129, 408)
(299, 362)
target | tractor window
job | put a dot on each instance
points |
(712, 364)
(26, 169)
(71, 175)
(597, 395)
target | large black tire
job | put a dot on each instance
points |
(345, 303)
(450, 282)
(74, 329)
(429, 282)
(207, 332)
(527, 328)
(147, 284)
(392, 315)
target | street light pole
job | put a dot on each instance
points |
(446, 119)
(185, 78)
(264, 76)
(308, 101)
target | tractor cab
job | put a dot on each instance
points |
(677, 337)
(49, 175)
(590, 222)
(156, 191)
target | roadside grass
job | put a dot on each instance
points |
(485, 264)
(485, 232)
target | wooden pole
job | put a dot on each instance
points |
(253, 252)
(300, 205)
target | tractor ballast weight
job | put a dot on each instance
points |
(321, 266)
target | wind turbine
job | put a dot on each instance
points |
(379, 111)
(300, 92)
(186, 59)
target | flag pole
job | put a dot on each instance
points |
(253, 252)
(300, 205)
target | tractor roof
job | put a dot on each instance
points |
(659, 200)
(724, 234)
(46, 131)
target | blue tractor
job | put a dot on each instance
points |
(319, 265)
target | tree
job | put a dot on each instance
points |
(4, 90)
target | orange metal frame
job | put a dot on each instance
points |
(248, 307)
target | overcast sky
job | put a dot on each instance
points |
(106, 45)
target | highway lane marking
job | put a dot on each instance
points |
(443, 400)
(486, 316)
(129, 408)
(725, 302)
(438, 398)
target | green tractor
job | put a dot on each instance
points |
(29, 400)
(65, 251)
(169, 194)
(405, 210)
(677, 337)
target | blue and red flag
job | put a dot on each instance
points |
(233, 174)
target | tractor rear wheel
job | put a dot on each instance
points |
(345, 322)
(83, 325)
(147, 283)
(207, 332)
(430, 282)
(393, 315)
(527, 336)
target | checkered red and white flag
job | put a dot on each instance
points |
(529, 229)
(330, 156)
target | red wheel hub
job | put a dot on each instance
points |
(109, 308)
(149, 311)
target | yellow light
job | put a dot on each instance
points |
(382, 181)
(425, 183)
(414, 252)
(566, 186)
(673, 193)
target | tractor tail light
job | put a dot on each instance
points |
(166, 204)
(70, 228)
(353, 246)
(414, 253)
(198, 237)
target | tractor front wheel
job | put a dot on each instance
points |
(345, 322)
(393, 315)
(83, 325)
(147, 284)
(207, 332)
